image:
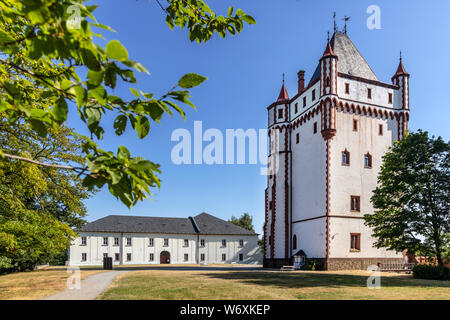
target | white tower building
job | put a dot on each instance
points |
(331, 138)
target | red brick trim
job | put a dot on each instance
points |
(327, 204)
(374, 82)
(286, 195)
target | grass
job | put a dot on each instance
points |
(36, 284)
(270, 285)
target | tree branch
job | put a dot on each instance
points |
(42, 164)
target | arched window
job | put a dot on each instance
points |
(294, 242)
(368, 160)
(345, 158)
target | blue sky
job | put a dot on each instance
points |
(244, 77)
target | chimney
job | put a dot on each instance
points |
(301, 80)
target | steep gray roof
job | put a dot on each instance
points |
(350, 59)
(203, 224)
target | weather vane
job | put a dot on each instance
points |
(334, 20)
(346, 19)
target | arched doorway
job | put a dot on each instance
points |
(164, 257)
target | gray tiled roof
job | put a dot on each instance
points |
(206, 223)
(350, 59)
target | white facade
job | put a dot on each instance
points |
(240, 249)
(310, 190)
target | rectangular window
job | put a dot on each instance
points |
(297, 138)
(296, 107)
(151, 257)
(241, 243)
(369, 93)
(355, 203)
(202, 243)
(355, 241)
(202, 257)
(129, 242)
(128, 256)
(151, 242)
(186, 243)
(241, 257)
(83, 257)
(390, 98)
(313, 95)
(224, 257)
(105, 255)
(355, 125)
(117, 257)
(116, 241)
(304, 102)
(166, 242)
(345, 158)
(315, 127)
(105, 241)
(380, 129)
(280, 113)
(186, 257)
(224, 243)
(271, 205)
(347, 88)
(83, 241)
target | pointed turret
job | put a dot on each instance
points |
(328, 50)
(401, 79)
(283, 94)
(401, 69)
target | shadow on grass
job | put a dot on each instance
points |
(305, 279)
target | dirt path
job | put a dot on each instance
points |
(90, 288)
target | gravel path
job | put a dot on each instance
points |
(90, 288)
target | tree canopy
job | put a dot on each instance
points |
(49, 45)
(412, 200)
(245, 221)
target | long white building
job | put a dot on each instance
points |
(325, 159)
(153, 240)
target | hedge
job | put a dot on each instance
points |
(423, 271)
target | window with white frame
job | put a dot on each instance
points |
(202, 257)
(166, 242)
(128, 256)
(241, 243)
(202, 243)
(151, 242)
(105, 241)
(83, 241)
(224, 257)
(83, 256)
(186, 257)
(224, 243)
(105, 255)
(116, 241)
(186, 243)
(151, 257)
(129, 241)
(117, 257)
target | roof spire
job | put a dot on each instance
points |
(283, 93)
(334, 21)
(401, 69)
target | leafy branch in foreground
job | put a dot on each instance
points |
(44, 48)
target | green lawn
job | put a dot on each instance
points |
(269, 285)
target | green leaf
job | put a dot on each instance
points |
(135, 65)
(191, 80)
(248, 19)
(81, 95)
(60, 110)
(4, 37)
(135, 92)
(142, 126)
(95, 78)
(120, 124)
(115, 50)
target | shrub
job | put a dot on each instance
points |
(429, 272)
(313, 265)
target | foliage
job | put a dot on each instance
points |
(245, 221)
(412, 199)
(430, 272)
(49, 45)
(313, 265)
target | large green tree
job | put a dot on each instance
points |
(39, 205)
(412, 200)
(49, 45)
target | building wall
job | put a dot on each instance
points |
(140, 249)
(311, 238)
